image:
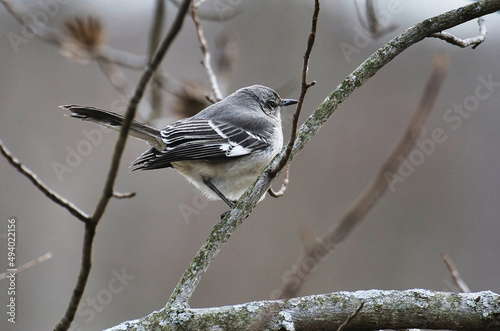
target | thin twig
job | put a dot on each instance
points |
(29, 264)
(327, 243)
(206, 62)
(351, 317)
(90, 227)
(128, 195)
(372, 23)
(459, 282)
(69, 206)
(474, 41)
(284, 184)
(303, 90)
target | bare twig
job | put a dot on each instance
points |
(303, 90)
(351, 317)
(459, 282)
(474, 41)
(128, 195)
(69, 206)
(327, 243)
(206, 53)
(29, 264)
(107, 193)
(284, 184)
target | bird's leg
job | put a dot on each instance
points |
(219, 193)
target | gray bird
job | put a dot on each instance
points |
(221, 150)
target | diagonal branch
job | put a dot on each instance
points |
(68, 205)
(107, 193)
(225, 228)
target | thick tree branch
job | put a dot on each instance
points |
(107, 193)
(68, 205)
(226, 227)
(381, 310)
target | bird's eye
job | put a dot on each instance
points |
(271, 104)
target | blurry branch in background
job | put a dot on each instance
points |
(154, 40)
(85, 37)
(68, 205)
(457, 279)
(28, 265)
(54, 36)
(190, 96)
(206, 53)
(225, 55)
(372, 23)
(107, 194)
(474, 41)
(316, 251)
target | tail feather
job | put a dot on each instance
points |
(114, 121)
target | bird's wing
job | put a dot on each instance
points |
(200, 139)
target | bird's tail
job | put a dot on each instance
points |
(114, 121)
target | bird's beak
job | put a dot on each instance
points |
(289, 102)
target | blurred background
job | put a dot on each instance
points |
(450, 202)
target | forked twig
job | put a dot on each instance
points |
(474, 41)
